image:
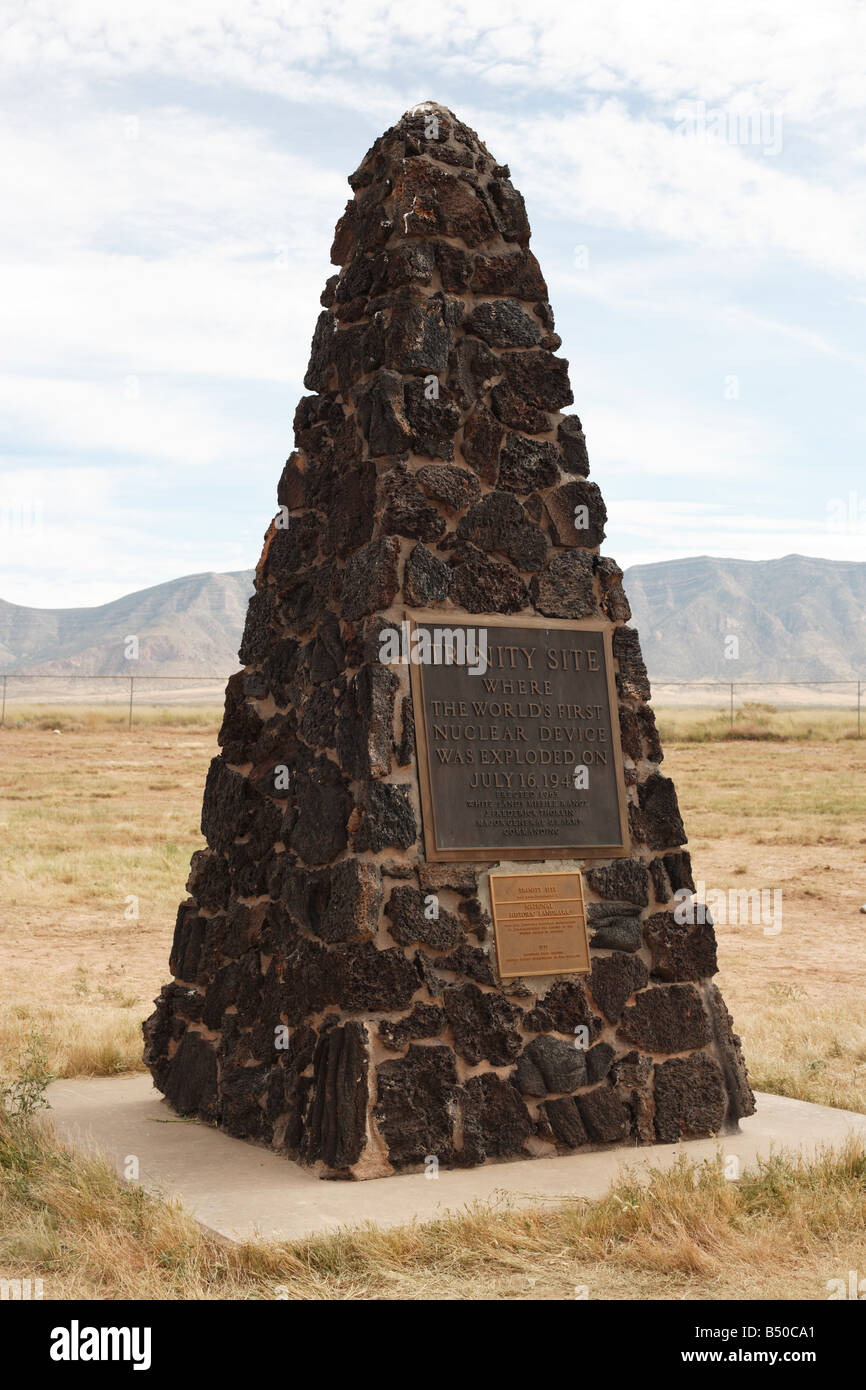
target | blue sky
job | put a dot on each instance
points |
(696, 183)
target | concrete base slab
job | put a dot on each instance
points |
(240, 1191)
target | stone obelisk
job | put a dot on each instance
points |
(336, 991)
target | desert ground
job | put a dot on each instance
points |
(98, 825)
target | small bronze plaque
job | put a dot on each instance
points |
(519, 752)
(539, 923)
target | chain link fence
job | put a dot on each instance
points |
(20, 689)
(736, 700)
(741, 701)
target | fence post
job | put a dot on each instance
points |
(859, 688)
(732, 706)
(3, 715)
(131, 684)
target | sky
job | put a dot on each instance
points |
(695, 178)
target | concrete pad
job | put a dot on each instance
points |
(238, 1190)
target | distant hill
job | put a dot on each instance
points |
(795, 618)
(187, 626)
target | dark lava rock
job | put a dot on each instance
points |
(623, 879)
(565, 588)
(632, 679)
(614, 603)
(428, 201)
(661, 885)
(614, 979)
(432, 419)
(425, 1021)
(472, 962)
(415, 1105)
(690, 1098)
(471, 369)
(191, 1078)
(577, 515)
(499, 523)
(605, 1118)
(353, 904)
(208, 880)
(667, 1018)
(573, 443)
(337, 1119)
(406, 511)
(517, 274)
(679, 870)
(461, 878)
(315, 826)
(223, 805)
(503, 323)
(527, 464)
(632, 1076)
(370, 578)
(496, 1122)
(562, 1009)
(411, 921)
(385, 819)
(660, 821)
(565, 1121)
(614, 926)
(741, 1101)
(189, 936)
(381, 416)
(481, 585)
(598, 1060)
(482, 438)
(680, 952)
(534, 383)
(455, 488)
(639, 734)
(370, 980)
(484, 1025)
(426, 579)
(549, 1065)
(365, 729)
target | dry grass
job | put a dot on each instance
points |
(782, 1231)
(754, 720)
(809, 1050)
(112, 718)
(757, 722)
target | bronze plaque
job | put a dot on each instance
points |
(539, 923)
(519, 752)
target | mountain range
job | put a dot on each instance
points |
(796, 618)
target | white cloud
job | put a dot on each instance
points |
(607, 168)
(776, 51)
(148, 237)
(97, 534)
(148, 419)
(677, 443)
(646, 531)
